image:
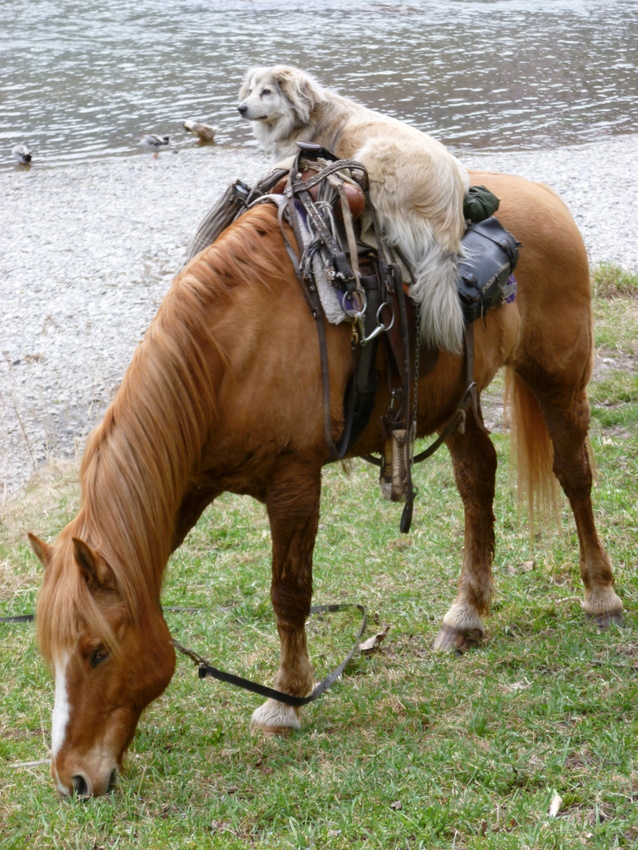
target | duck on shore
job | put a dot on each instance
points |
(22, 154)
(204, 132)
(153, 143)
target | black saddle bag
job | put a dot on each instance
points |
(490, 256)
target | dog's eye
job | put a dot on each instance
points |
(266, 91)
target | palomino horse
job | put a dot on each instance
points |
(225, 394)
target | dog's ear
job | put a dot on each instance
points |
(243, 91)
(301, 90)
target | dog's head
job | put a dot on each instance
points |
(281, 97)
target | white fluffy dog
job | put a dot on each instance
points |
(416, 185)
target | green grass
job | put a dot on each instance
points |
(610, 281)
(410, 749)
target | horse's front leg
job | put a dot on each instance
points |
(474, 460)
(292, 500)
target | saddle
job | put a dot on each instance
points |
(348, 273)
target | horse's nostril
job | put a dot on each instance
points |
(81, 786)
(112, 779)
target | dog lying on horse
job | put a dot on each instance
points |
(417, 187)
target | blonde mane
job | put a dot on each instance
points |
(140, 459)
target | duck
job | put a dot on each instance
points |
(154, 143)
(204, 132)
(22, 154)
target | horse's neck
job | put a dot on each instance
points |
(138, 465)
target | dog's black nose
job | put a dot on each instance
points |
(242, 109)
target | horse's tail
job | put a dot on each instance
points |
(532, 451)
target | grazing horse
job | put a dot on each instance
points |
(225, 394)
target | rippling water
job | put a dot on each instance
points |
(82, 79)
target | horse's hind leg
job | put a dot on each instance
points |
(474, 461)
(567, 418)
(292, 500)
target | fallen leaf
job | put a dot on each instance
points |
(554, 806)
(525, 567)
(373, 642)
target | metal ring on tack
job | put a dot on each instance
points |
(354, 312)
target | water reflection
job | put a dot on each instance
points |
(83, 79)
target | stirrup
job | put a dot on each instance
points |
(394, 478)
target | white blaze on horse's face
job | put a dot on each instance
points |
(100, 690)
(60, 717)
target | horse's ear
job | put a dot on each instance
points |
(93, 567)
(42, 550)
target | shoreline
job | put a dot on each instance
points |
(88, 250)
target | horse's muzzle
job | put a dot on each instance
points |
(84, 786)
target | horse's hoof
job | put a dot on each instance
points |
(451, 639)
(271, 731)
(603, 608)
(608, 618)
(275, 718)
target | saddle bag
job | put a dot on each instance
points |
(485, 269)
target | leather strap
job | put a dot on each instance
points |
(19, 618)
(206, 669)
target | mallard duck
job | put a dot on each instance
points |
(204, 132)
(153, 143)
(21, 154)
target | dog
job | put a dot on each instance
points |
(416, 186)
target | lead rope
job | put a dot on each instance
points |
(205, 669)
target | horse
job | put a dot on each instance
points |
(225, 393)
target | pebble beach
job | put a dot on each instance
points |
(88, 250)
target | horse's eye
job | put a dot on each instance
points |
(98, 656)
(266, 91)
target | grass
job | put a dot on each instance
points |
(410, 749)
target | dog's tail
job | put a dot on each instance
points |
(435, 281)
(417, 192)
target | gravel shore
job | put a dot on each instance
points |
(88, 251)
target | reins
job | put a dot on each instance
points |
(205, 669)
(18, 618)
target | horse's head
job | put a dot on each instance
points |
(109, 663)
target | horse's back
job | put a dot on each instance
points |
(554, 292)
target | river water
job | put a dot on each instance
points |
(83, 79)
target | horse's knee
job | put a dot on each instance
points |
(275, 718)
